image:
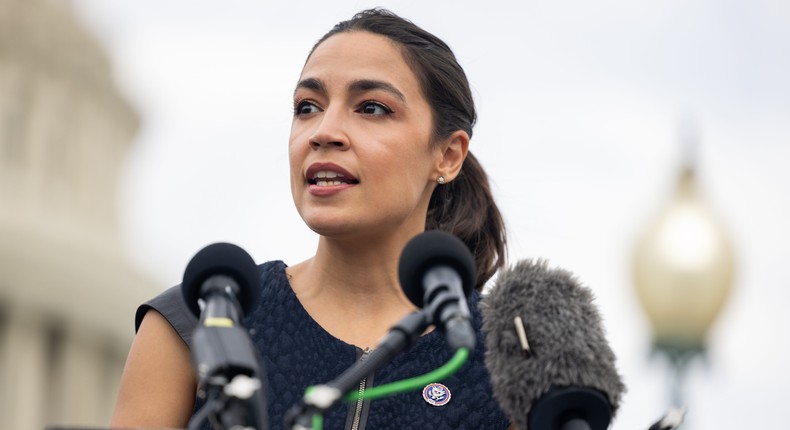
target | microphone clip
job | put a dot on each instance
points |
(228, 377)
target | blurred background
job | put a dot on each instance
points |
(639, 144)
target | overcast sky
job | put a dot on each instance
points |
(579, 111)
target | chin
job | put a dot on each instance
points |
(329, 227)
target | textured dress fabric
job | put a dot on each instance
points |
(297, 353)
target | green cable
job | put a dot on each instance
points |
(396, 387)
(415, 383)
(318, 422)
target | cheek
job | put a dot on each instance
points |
(407, 171)
(292, 153)
(295, 161)
(299, 136)
(297, 147)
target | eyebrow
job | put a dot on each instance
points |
(359, 85)
(311, 84)
(362, 85)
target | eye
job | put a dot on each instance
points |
(305, 107)
(374, 109)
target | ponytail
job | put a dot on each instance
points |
(465, 207)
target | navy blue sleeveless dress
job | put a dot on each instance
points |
(298, 353)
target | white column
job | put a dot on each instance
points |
(23, 366)
(81, 390)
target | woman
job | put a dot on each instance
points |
(378, 153)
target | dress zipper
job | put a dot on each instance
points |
(355, 423)
(358, 410)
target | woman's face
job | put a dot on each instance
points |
(360, 153)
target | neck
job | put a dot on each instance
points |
(367, 264)
(352, 289)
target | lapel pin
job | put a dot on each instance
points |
(436, 394)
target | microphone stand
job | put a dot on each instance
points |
(228, 371)
(319, 399)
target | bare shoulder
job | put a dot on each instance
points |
(158, 385)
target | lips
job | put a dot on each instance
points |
(329, 174)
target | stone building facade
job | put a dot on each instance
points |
(67, 290)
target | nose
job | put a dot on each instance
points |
(330, 132)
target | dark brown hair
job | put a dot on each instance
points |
(464, 207)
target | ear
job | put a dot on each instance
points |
(452, 153)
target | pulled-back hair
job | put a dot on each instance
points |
(464, 207)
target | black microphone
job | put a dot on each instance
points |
(225, 277)
(220, 284)
(437, 273)
(550, 364)
(435, 269)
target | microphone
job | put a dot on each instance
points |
(220, 285)
(550, 365)
(435, 269)
(225, 277)
(437, 273)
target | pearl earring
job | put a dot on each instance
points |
(440, 180)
